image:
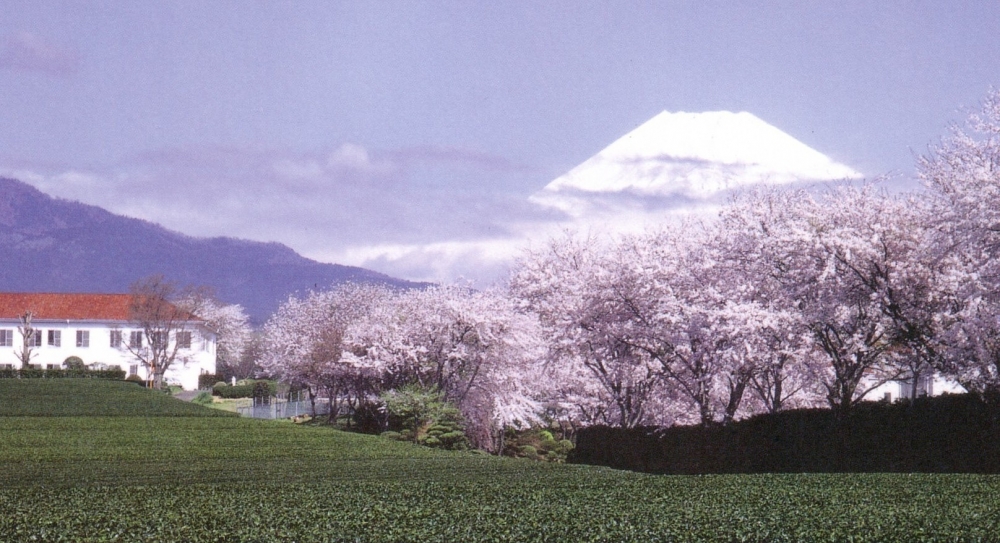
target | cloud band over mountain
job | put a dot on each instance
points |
(435, 213)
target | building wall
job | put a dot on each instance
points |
(895, 390)
(190, 363)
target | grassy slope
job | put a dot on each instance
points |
(227, 479)
(90, 397)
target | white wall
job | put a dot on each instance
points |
(190, 363)
(894, 389)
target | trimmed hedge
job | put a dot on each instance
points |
(208, 380)
(115, 374)
(253, 389)
(946, 434)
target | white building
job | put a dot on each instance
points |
(931, 384)
(97, 329)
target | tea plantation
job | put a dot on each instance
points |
(164, 476)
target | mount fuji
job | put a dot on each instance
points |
(673, 166)
(684, 160)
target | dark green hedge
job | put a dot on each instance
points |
(116, 374)
(208, 380)
(258, 389)
(946, 434)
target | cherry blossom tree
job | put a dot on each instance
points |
(308, 342)
(475, 347)
(603, 377)
(962, 177)
(849, 267)
(751, 228)
(688, 310)
(231, 326)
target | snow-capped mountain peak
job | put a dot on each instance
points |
(694, 156)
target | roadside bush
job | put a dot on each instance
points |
(203, 398)
(135, 379)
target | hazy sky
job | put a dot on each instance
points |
(339, 127)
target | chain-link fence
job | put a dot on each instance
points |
(283, 406)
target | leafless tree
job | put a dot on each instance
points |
(161, 327)
(28, 339)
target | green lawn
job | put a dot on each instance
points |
(99, 478)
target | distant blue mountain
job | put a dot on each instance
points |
(53, 245)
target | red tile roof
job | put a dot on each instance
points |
(46, 306)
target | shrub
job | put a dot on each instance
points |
(262, 392)
(425, 417)
(250, 389)
(135, 379)
(115, 374)
(73, 363)
(32, 373)
(370, 418)
(203, 398)
(537, 444)
(206, 380)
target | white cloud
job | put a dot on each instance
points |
(429, 213)
(347, 205)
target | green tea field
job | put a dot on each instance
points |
(160, 476)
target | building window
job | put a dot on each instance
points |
(83, 338)
(55, 338)
(6, 338)
(184, 340)
(133, 369)
(135, 340)
(36, 339)
(116, 338)
(158, 340)
(52, 366)
(6, 366)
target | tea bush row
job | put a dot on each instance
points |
(91, 397)
(563, 505)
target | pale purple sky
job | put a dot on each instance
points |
(337, 126)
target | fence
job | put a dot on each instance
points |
(282, 407)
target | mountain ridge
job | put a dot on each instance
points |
(56, 245)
